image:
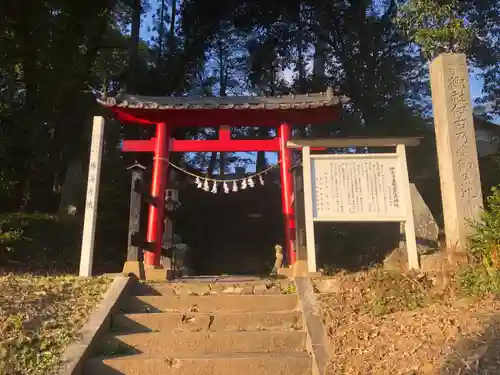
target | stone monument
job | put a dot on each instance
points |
(456, 146)
(426, 228)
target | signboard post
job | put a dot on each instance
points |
(357, 188)
(410, 237)
(90, 219)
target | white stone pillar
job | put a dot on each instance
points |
(456, 147)
(90, 219)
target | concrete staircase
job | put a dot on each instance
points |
(206, 327)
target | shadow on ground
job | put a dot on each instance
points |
(355, 246)
(478, 355)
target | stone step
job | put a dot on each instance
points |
(198, 343)
(168, 322)
(241, 364)
(214, 303)
(203, 288)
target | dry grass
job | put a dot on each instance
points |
(384, 323)
(40, 316)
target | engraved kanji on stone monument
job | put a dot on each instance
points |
(456, 146)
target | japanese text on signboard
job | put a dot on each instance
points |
(368, 187)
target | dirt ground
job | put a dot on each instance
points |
(386, 323)
(40, 316)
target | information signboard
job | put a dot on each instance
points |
(357, 188)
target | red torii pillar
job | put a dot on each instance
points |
(285, 157)
(158, 186)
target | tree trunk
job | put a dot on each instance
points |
(319, 71)
(319, 65)
(261, 162)
(173, 19)
(134, 48)
(161, 31)
(223, 92)
(73, 188)
(212, 164)
(31, 124)
(222, 169)
(301, 69)
(64, 158)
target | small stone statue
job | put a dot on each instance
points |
(278, 262)
(181, 259)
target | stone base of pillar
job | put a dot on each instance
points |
(147, 273)
(287, 271)
(135, 268)
(158, 274)
(299, 269)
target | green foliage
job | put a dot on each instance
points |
(436, 26)
(289, 289)
(389, 292)
(477, 281)
(483, 277)
(484, 17)
(113, 348)
(6, 187)
(39, 239)
(377, 291)
(47, 57)
(485, 240)
(40, 316)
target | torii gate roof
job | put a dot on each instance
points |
(230, 110)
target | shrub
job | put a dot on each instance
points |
(39, 240)
(484, 242)
(475, 280)
(483, 277)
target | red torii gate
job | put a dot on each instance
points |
(167, 113)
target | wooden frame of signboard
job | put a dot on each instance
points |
(391, 204)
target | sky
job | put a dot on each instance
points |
(476, 84)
